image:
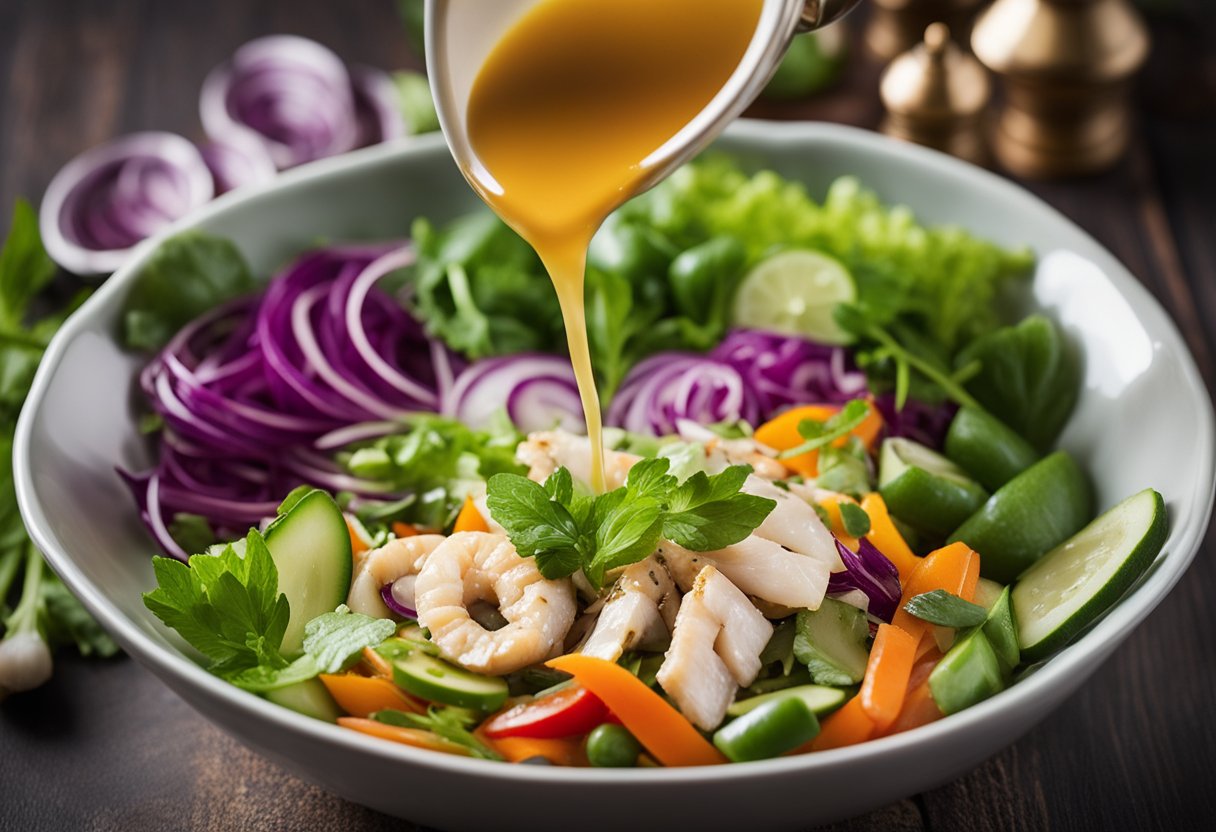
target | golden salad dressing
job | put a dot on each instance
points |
(565, 110)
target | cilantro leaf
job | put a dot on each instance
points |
(946, 609)
(817, 434)
(856, 521)
(628, 527)
(334, 639)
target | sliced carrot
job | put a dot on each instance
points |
(470, 519)
(918, 708)
(847, 726)
(360, 696)
(949, 568)
(416, 737)
(886, 681)
(357, 544)
(781, 433)
(887, 538)
(405, 529)
(377, 665)
(560, 752)
(663, 730)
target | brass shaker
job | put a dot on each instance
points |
(935, 95)
(895, 26)
(1066, 67)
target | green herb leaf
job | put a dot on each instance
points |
(25, 268)
(68, 622)
(415, 102)
(946, 609)
(818, 434)
(452, 724)
(335, 639)
(707, 513)
(856, 521)
(537, 525)
(188, 275)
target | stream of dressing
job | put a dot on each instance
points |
(568, 105)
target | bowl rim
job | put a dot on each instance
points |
(168, 663)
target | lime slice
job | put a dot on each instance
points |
(1070, 586)
(795, 293)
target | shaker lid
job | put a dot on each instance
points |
(935, 80)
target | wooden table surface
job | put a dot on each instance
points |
(106, 746)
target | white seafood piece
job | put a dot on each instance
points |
(639, 613)
(714, 650)
(400, 558)
(757, 566)
(484, 510)
(721, 453)
(546, 451)
(794, 524)
(482, 566)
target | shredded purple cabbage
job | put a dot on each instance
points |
(871, 572)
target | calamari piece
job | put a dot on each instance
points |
(481, 566)
(757, 566)
(714, 650)
(639, 613)
(794, 524)
(546, 451)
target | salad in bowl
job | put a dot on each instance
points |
(835, 507)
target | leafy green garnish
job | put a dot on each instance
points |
(567, 532)
(227, 607)
(189, 274)
(856, 521)
(817, 433)
(415, 102)
(1028, 375)
(452, 724)
(945, 609)
(845, 469)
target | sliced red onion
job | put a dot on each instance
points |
(288, 92)
(399, 597)
(538, 392)
(871, 572)
(377, 112)
(109, 198)
(668, 387)
(785, 370)
(238, 161)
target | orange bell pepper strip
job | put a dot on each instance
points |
(919, 708)
(405, 529)
(667, 735)
(954, 568)
(847, 726)
(781, 433)
(831, 505)
(887, 538)
(357, 544)
(470, 519)
(561, 752)
(415, 737)
(361, 696)
(376, 664)
(885, 684)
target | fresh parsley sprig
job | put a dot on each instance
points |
(568, 532)
(840, 424)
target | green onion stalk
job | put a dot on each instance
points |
(25, 656)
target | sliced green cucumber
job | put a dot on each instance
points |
(969, 673)
(310, 545)
(1036, 510)
(1076, 581)
(1002, 632)
(820, 699)
(924, 489)
(309, 698)
(434, 679)
(831, 642)
(988, 593)
(987, 448)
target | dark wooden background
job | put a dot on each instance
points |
(106, 747)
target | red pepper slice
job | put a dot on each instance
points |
(566, 713)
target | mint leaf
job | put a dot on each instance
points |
(707, 513)
(856, 521)
(335, 639)
(817, 434)
(946, 609)
(627, 529)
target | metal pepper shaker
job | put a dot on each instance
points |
(935, 95)
(895, 26)
(1066, 67)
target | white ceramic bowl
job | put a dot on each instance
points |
(1144, 419)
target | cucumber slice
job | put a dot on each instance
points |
(968, 674)
(924, 489)
(1002, 632)
(434, 679)
(1036, 510)
(987, 448)
(831, 642)
(309, 698)
(310, 545)
(1075, 582)
(987, 593)
(820, 699)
